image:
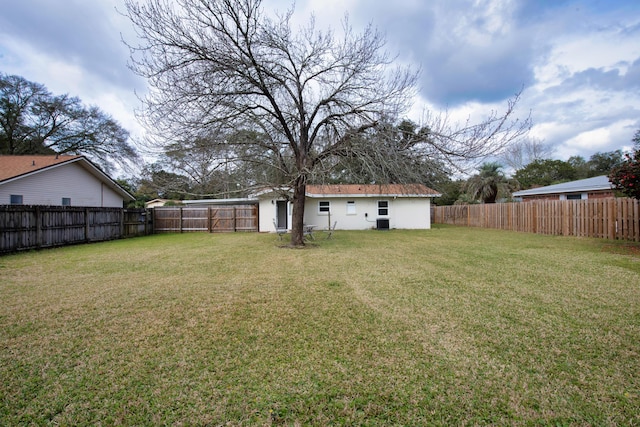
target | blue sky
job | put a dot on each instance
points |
(577, 62)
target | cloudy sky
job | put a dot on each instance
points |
(577, 61)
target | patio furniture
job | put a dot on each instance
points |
(307, 231)
(331, 229)
(281, 231)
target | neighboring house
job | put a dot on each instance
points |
(353, 207)
(155, 203)
(220, 202)
(57, 180)
(591, 188)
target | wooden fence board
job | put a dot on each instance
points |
(31, 227)
(214, 219)
(614, 218)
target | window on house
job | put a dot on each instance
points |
(16, 199)
(383, 208)
(324, 207)
(351, 207)
(574, 196)
(66, 201)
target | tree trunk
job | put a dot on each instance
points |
(492, 196)
(297, 220)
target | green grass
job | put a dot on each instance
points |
(449, 326)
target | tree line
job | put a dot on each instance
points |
(194, 174)
(534, 169)
(491, 183)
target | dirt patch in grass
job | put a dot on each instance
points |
(632, 249)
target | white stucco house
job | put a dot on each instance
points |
(57, 180)
(352, 207)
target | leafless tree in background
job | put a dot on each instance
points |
(520, 153)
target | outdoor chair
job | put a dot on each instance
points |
(281, 231)
(331, 229)
(307, 231)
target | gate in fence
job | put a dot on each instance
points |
(213, 219)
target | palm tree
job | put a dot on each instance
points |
(488, 183)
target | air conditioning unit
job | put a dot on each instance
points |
(382, 223)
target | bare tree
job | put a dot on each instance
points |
(227, 66)
(520, 153)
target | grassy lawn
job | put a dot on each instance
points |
(450, 326)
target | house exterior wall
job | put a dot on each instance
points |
(403, 213)
(354, 212)
(155, 203)
(601, 194)
(268, 211)
(413, 213)
(67, 181)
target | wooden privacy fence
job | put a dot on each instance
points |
(32, 227)
(614, 218)
(210, 219)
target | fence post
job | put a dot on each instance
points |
(612, 220)
(209, 219)
(180, 218)
(86, 225)
(235, 219)
(534, 217)
(565, 218)
(620, 223)
(38, 227)
(121, 223)
(255, 212)
(636, 222)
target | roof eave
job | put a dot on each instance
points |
(98, 173)
(354, 195)
(566, 191)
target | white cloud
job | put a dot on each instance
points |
(593, 140)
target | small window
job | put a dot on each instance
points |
(351, 207)
(66, 201)
(574, 196)
(16, 199)
(324, 207)
(383, 208)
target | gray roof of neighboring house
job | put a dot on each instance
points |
(590, 184)
(207, 202)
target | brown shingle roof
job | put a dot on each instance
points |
(13, 166)
(371, 190)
